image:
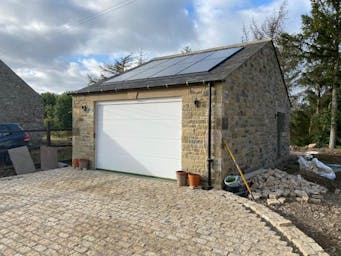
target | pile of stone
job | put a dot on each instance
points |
(276, 186)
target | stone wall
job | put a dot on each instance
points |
(253, 94)
(19, 103)
(194, 123)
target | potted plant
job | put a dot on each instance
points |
(181, 177)
(75, 163)
(83, 164)
(194, 179)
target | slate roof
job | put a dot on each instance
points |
(11, 83)
(219, 73)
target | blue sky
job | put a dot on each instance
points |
(53, 45)
(261, 2)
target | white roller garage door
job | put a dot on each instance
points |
(139, 136)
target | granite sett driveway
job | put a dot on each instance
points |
(72, 212)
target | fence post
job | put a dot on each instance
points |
(48, 134)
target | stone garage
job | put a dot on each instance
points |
(173, 112)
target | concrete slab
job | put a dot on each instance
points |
(21, 160)
(48, 158)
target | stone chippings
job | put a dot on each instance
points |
(276, 185)
(306, 245)
(69, 212)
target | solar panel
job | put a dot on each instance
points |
(202, 66)
(171, 70)
(225, 53)
(193, 63)
(136, 71)
(156, 69)
(197, 57)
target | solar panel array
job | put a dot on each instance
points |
(193, 63)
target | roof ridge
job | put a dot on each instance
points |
(213, 49)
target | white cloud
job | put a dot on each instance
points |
(92, 66)
(294, 8)
(74, 69)
(218, 23)
(36, 27)
(53, 45)
(221, 22)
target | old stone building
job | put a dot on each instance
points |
(19, 103)
(154, 119)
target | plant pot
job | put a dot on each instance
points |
(194, 179)
(75, 163)
(232, 181)
(181, 178)
(83, 164)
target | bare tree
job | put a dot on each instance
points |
(186, 49)
(141, 57)
(272, 26)
(246, 34)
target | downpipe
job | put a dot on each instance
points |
(209, 132)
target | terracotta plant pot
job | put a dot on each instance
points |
(83, 164)
(75, 163)
(194, 179)
(181, 177)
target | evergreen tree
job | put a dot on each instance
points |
(49, 105)
(57, 110)
(63, 111)
(319, 44)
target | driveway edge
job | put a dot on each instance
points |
(306, 245)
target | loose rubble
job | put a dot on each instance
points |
(276, 185)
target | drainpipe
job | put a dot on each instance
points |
(209, 122)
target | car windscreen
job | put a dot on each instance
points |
(14, 127)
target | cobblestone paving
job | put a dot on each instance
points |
(69, 212)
